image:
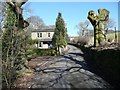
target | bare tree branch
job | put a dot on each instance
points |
(82, 26)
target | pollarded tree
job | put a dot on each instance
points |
(59, 39)
(97, 23)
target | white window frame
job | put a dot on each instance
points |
(40, 34)
(48, 34)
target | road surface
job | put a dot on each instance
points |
(67, 71)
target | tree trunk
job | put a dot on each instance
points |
(58, 50)
(95, 36)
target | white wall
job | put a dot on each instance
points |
(34, 35)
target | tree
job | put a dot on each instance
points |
(2, 12)
(35, 22)
(82, 26)
(97, 22)
(111, 23)
(59, 38)
(16, 8)
(13, 40)
(50, 27)
(67, 36)
(108, 25)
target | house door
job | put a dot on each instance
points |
(40, 44)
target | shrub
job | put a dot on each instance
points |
(109, 40)
(83, 40)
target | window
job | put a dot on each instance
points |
(40, 45)
(40, 34)
(48, 34)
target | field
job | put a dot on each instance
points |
(112, 35)
(109, 36)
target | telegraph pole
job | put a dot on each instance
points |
(115, 36)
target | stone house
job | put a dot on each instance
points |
(44, 37)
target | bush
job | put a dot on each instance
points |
(110, 40)
(83, 40)
(30, 52)
(44, 52)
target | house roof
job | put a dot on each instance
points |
(43, 30)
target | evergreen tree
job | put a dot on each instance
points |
(13, 48)
(60, 35)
